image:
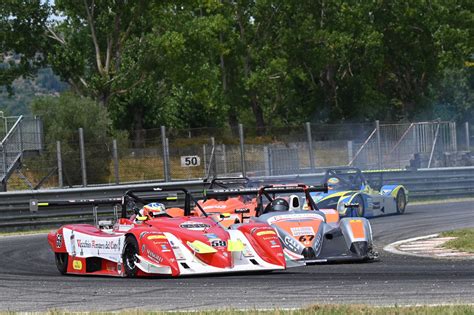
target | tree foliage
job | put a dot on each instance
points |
(22, 24)
(62, 118)
(265, 63)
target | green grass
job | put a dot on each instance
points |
(464, 240)
(317, 309)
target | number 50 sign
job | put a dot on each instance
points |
(191, 160)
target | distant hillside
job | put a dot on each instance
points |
(25, 90)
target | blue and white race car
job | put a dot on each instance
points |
(350, 194)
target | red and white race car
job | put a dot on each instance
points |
(164, 241)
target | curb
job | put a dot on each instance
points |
(393, 248)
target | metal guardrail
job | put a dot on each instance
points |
(17, 210)
(25, 135)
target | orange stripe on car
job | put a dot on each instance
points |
(357, 228)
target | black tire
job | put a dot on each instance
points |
(360, 211)
(61, 262)
(130, 251)
(401, 201)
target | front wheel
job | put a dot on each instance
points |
(61, 262)
(401, 201)
(360, 210)
(129, 256)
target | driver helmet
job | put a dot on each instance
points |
(280, 204)
(333, 182)
(153, 210)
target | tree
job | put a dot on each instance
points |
(62, 117)
(87, 46)
(22, 23)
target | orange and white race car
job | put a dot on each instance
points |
(308, 234)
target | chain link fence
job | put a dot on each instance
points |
(181, 154)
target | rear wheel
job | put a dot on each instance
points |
(129, 256)
(401, 201)
(61, 262)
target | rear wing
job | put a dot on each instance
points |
(143, 196)
(265, 189)
(224, 182)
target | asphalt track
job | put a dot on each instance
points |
(29, 280)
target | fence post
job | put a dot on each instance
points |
(379, 146)
(454, 141)
(60, 164)
(224, 158)
(83, 157)
(350, 151)
(167, 140)
(242, 152)
(310, 146)
(213, 157)
(204, 157)
(266, 156)
(3, 186)
(116, 162)
(165, 154)
(466, 130)
(20, 133)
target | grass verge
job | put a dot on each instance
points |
(464, 240)
(317, 309)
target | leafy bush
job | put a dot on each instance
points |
(62, 117)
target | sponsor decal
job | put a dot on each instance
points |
(267, 232)
(291, 243)
(212, 236)
(59, 240)
(77, 265)
(154, 256)
(302, 230)
(195, 226)
(317, 242)
(98, 244)
(215, 207)
(156, 237)
(295, 216)
(165, 248)
(242, 210)
(274, 244)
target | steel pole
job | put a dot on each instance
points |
(165, 154)
(466, 129)
(242, 150)
(83, 157)
(310, 146)
(116, 162)
(60, 164)
(213, 157)
(379, 145)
